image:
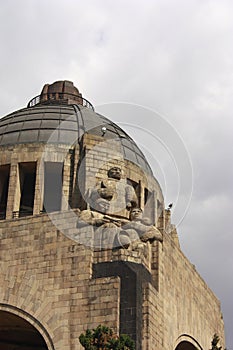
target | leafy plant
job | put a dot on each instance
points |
(103, 338)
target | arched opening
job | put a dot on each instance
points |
(185, 345)
(17, 333)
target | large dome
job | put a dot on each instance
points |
(60, 114)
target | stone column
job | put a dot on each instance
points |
(39, 188)
(14, 192)
(66, 183)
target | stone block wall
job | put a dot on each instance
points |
(184, 304)
(63, 287)
(47, 275)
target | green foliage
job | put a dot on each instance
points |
(124, 342)
(103, 338)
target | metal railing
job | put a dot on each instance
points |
(21, 214)
(59, 97)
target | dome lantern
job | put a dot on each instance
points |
(60, 92)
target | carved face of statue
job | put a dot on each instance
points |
(114, 173)
(136, 214)
(102, 205)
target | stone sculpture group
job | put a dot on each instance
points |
(110, 230)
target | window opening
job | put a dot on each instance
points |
(27, 178)
(53, 178)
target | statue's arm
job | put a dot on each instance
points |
(88, 217)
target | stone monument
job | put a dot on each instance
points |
(76, 249)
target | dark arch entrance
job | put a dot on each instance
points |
(17, 333)
(185, 345)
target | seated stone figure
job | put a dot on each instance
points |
(140, 226)
(116, 190)
(96, 228)
(102, 231)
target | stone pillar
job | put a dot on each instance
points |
(39, 188)
(167, 215)
(66, 184)
(131, 298)
(13, 191)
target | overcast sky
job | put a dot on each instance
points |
(172, 59)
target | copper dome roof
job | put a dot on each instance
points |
(58, 117)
